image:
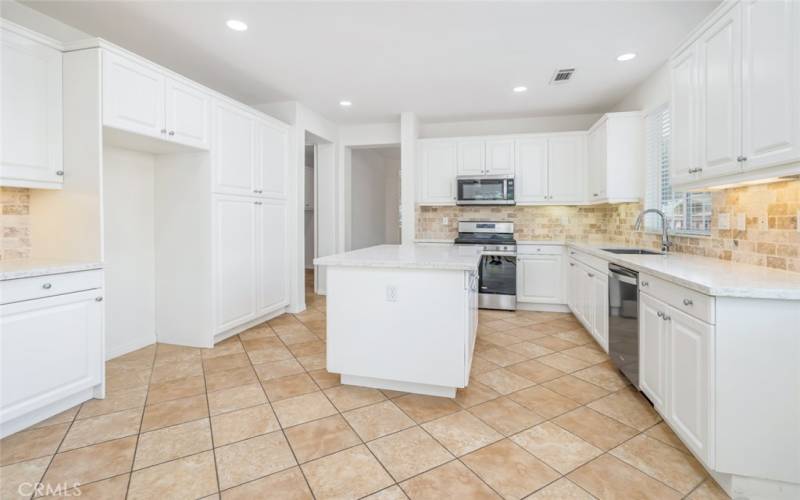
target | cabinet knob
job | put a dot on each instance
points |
(591, 275)
(594, 194)
(171, 132)
(644, 284)
(257, 202)
(571, 264)
(688, 302)
(163, 131)
(60, 173)
(660, 314)
(741, 159)
(667, 318)
(47, 286)
(98, 299)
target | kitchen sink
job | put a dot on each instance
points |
(632, 251)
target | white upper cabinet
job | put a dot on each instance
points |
(272, 160)
(531, 179)
(437, 171)
(187, 114)
(771, 82)
(614, 163)
(736, 96)
(133, 96)
(31, 148)
(499, 157)
(719, 79)
(566, 156)
(471, 157)
(141, 98)
(234, 151)
(684, 90)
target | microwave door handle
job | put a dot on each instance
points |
(505, 190)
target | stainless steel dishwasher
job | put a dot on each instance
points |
(623, 320)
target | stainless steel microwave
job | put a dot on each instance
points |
(485, 190)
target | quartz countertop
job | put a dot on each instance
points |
(31, 268)
(704, 274)
(409, 256)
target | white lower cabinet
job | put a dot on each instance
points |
(251, 269)
(675, 367)
(587, 298)
(52, 343)
(539, 279)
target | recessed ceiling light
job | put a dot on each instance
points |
(236, 25)
(519, 89)
(345, 104)
(626, 57)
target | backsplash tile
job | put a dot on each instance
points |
(14, 223)
(776, 205)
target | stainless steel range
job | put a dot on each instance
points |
(497, 288)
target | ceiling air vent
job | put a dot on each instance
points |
(562, 76)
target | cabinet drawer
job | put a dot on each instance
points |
(693, 303)
(596, 263)
(47, 286)
(539, 249)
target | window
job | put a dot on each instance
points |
(687, 213)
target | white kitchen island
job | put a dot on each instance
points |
(403, 317)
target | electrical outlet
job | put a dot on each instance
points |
(762, 223)
(724, 221)
(741, 221)
(391, 293)
(445, 221)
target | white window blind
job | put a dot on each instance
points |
(687, 213)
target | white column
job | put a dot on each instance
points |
(409, 132)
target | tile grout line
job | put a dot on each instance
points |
(210, 425)
(141, 420)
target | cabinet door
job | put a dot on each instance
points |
(272, 256)
(188, 111)
(133, 96)
(600, 292)
(235, 241)
(539, 279)
(472, 157)
(683, 111)
(438, 175)
(572, 286)
(596, 164)
(653, 350)
(588, 302)
(500, 158)
(688, 378)
(234, 155)
(565, 168)
(531, 176)
(31, 142)
(50, 348)
(720, 117)
(770, 83)
(272, 161)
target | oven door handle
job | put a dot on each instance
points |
(498, 254)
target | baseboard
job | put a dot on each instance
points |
(34, 417)
(116, 351)
(525, 306)
(257, 321)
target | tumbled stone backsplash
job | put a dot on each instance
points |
(15, 203)
(774, 244)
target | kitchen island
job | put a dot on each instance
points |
(403, 317)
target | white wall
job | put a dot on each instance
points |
(40, 23)
(368, 199)
(651, 93)
(309, 208)
(531, 125)
(129, 184)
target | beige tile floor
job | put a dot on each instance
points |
(545, 416)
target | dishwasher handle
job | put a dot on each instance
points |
(623, 274)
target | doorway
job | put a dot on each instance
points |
(309, 219)
(374, 197)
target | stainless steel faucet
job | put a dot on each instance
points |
(665, 241)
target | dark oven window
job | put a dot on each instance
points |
(480, 190)
(498, 274)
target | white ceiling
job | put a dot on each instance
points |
(444, 60)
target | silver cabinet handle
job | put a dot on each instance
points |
(660, 314)
(644, 284)
(257, 202)
(571, 264)
(60, 173)
(98, 299)
(572, 253)
(667, 318)
(171, 132)
(594, 194)
(741, 159)
(47, 286)
(591, 275)
(688, 302)
(163, 131)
